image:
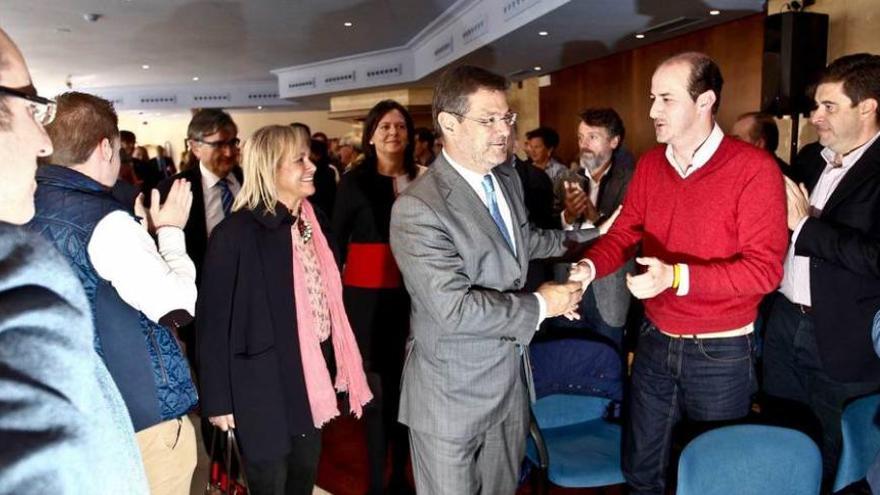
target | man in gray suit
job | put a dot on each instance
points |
(594, 192)
(462, 241)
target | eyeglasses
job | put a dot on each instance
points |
(509, 119)
(43, 109)
(230, 143)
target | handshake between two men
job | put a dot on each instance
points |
(564, 298)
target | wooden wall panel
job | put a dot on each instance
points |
(623, 81)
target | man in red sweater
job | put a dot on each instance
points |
(709, 215)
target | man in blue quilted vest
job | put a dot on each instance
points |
(137, 290)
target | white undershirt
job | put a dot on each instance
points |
(153, 281)
(213, 198)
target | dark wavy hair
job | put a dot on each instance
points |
(372, 122)
(860, 75)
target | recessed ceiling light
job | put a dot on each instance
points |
(640, 36)
(543, 33)
(347, 24)
(714, 12)
(260, 107)
(196, 78)
(536, 68)
(145, 67)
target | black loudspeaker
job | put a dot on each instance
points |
(795, 47)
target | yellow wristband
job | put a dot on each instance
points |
(676, 276)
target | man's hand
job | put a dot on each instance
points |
(609, 222)
(798, 203)
(224, 422)
(581, 273)
(655, 280)
(561, 298)
(174, 212)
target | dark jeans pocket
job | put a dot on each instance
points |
(731, 349)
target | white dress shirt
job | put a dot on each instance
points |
(475, 180)
(796, 277)
(153, 281)
(213, 199)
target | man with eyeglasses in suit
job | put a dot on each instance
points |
(212, 136)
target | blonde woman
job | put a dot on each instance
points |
(271, 329)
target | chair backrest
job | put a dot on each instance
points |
(750, 460)
(558, 410)
(577, 367)
(861, 440)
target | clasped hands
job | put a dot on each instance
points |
(657, 277)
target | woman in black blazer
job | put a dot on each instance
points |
(271, 328)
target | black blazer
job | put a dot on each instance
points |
(248, 348)
(537, 195)
(844, 249)
(196, 230)
(613, 187)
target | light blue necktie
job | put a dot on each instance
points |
(489, 189)
(225, 196)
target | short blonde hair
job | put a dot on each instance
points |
(262, 155)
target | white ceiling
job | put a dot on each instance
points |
(227, 42)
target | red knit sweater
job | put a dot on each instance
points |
(726, 221)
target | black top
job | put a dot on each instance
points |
(363, 207)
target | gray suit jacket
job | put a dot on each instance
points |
(463, 368)
(64, 427)
(612, 296)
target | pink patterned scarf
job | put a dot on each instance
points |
(349, 368)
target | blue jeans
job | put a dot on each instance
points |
(703, 379)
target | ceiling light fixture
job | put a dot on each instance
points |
(543, 33)
(260, 107)
(145, 67)
(196, 78)
(714, 12)
(536, 68)
(640, 36)
(347, 24)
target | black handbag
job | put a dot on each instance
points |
(227, 475)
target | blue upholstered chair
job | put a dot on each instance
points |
(570, 441)
(574, 444)
(861, 440)
(750, 460)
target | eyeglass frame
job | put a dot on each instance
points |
(51, 106)
(233, 143)
(509, 119)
